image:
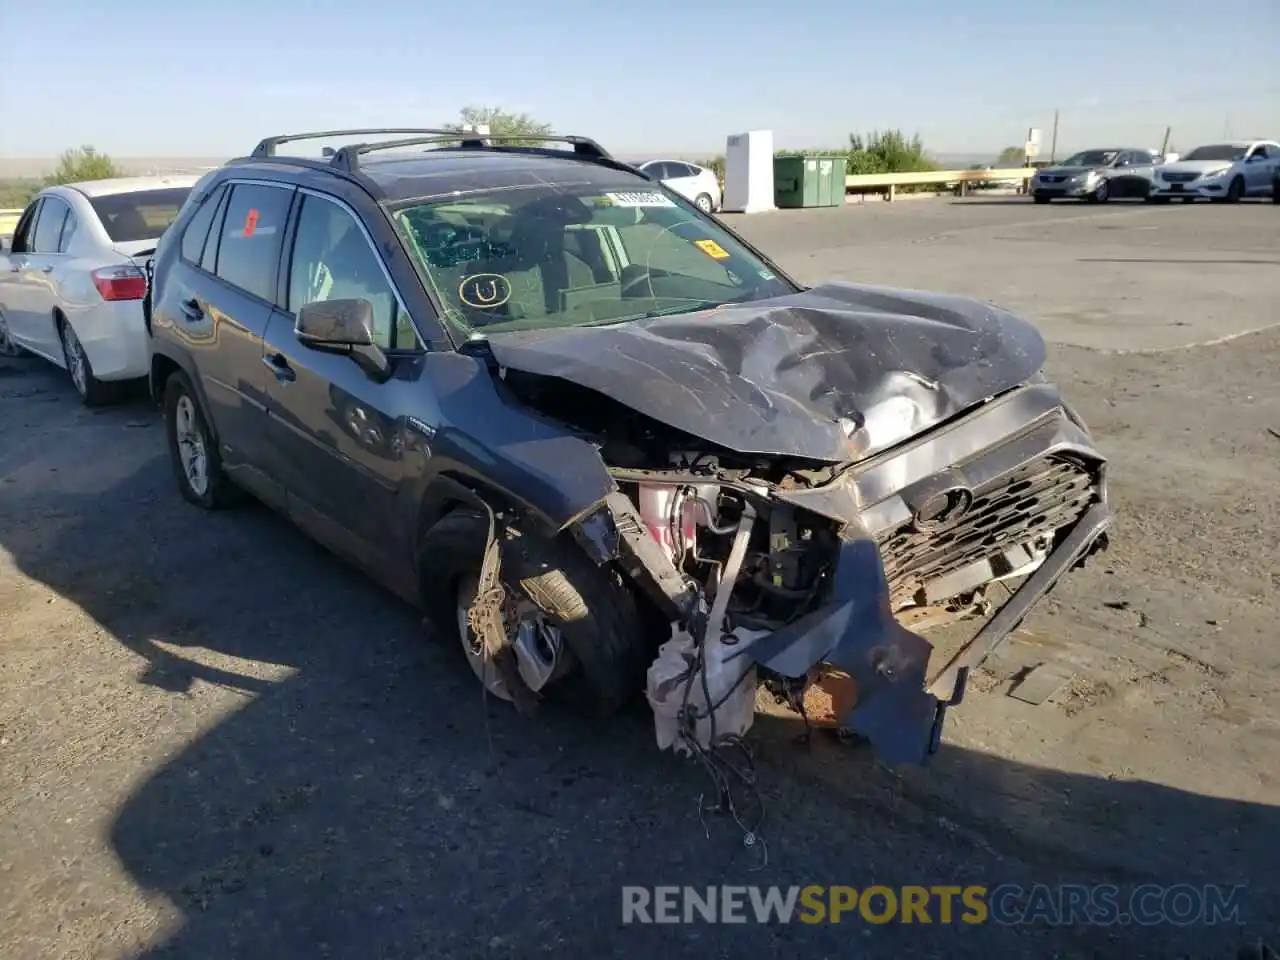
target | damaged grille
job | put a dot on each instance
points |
(1034, 500)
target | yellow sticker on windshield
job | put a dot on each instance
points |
(712, 249)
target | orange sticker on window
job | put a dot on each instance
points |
(251, 222)
(712, 249)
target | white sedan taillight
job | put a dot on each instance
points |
(123, 282)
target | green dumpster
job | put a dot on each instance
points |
(808, 181)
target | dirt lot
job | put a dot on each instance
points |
(218, 741)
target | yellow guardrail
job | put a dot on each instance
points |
(9, 222)
(888, 182)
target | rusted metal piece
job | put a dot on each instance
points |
(831, 694)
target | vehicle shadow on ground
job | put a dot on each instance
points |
(371, 804)
(1006, 201)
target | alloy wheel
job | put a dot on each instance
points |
(191, 447)
(541, 655)
(77, 362)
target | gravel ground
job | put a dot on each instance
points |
(218, 741)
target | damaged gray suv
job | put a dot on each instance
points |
(606, 444)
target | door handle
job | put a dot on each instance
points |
(47, 268)
(278, 365)
(191, 309)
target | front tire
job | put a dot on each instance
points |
(1235, 192)
(93, 392)
(1101, 193)
(593, 612)
(1041, 198)
(197, 464)
(8, 346)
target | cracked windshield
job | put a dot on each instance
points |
(543, 257)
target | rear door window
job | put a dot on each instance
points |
(69, 227)
(53, 214)
(248, 253)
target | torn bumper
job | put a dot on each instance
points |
(897, 709)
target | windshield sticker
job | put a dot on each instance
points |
(484, 291)
(712, 249)
(645, 199)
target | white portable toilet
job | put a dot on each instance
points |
(748, 172)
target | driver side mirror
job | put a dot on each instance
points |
(343, 327)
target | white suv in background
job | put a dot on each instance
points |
(73, 278)
(697, 184)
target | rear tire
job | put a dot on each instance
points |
(704, 202)
(182, 413)
(93, 392)
(593, 610)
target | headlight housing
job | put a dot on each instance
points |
(1214, 175)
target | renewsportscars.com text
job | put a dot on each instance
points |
(1006, 904)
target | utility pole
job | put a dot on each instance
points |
(1164, 147)
(1053, 144)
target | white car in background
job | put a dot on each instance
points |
(1227, 171)
(73, 278)
(696, 184)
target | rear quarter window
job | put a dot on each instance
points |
(197, 230)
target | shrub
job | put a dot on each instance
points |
(84, 163)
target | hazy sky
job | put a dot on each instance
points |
(175, 78)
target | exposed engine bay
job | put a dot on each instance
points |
(745, 563)
(797, 502)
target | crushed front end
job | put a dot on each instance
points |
(801, 574)
(805, 485)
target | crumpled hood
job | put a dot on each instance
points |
(832, 374)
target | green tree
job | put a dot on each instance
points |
(1011, 155)
(84, 163)
(502, 123)
(892, 152)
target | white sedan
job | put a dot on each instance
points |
(696, 184)
(1227, 171)
(73, 279)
